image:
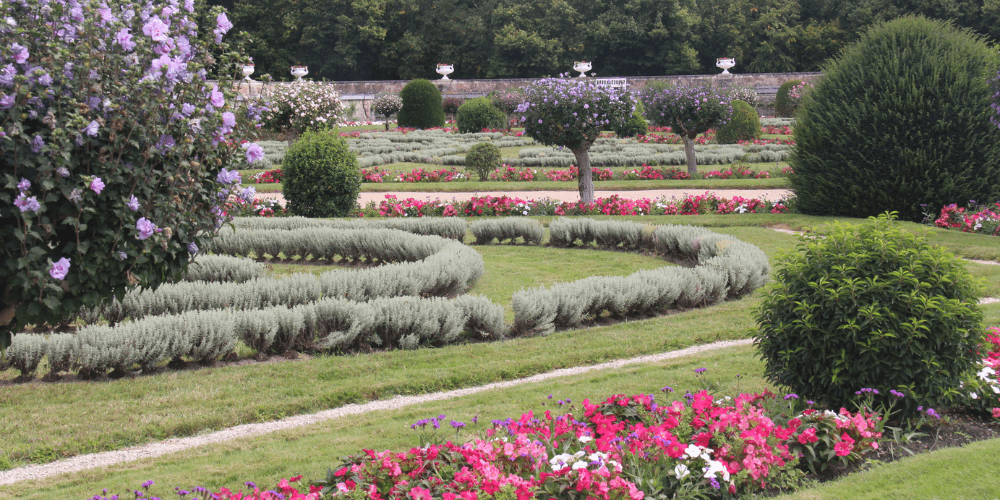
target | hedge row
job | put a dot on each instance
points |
(719, 155)
(384, 245)
(725, 268)
(449, 271)
(507, 229)
(206, 336)
(224, 269)
(444, 227)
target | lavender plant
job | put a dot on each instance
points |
(689, 112)
(572, 113)
(113, 143)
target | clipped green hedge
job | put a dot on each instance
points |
(321, 177)
(477, 114)
(507, 229)
(421, 105)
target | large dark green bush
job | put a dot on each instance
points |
(870, 306)
(476, 114)
(322, 178)
(783, 104)
(421, 105)
(483, 158)
(635, 125)
(743, 125)
(899, 120)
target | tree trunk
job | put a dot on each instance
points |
(585, 177)
(689, 154)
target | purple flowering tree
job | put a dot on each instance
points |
(689, 112)
(995, 106)
(113, 142)
(571, 113)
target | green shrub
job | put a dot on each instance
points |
(483, 158)
(421, 105)
(743, 125)
(783, 105)
(900, 119)
(451, 105)
(476, 114)
(322, 178)
(870, 306)
(635, 125)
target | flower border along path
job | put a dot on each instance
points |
(152, 450)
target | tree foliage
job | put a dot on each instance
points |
(112, 141)
(689, 111)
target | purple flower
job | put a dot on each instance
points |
(896, 393)
(122, 255)
(45, 80)
(97, 185)
(26, 204)
(457, 425)
(189, 5)
(667, 389)
(59, 269)
(133, 203)
(147, 484)
(187, 109)
(248, 194)
(7, 101)
(254, 153)
(92, 128)
(63, 172)
(192, 248)
(700, 370)
(228, 119)
(222, 22)
(24, 185)
(227, 177)
(156, 29)
(146, 228)
(216, 98)
(76, 196)
(19, 53)
(165, 142)
(7, 74)
(791, 396)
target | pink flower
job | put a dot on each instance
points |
(222, 23)
(97, 185)
(59, 269)
(156, 29)
(844, 447)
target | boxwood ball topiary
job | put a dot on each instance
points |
(870, 306)
(322, 178)
(483, 158)
(421, 105)
(783, 105)
(743, 125)
(476, 114)
(900, 119)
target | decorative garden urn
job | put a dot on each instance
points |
(247, 71)
(725, 63)
(299, 71)
(444, 70)
(583, 67)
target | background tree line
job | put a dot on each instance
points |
(405, 39)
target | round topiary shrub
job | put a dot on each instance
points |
(387, 105)
(743, 125)
(635, 125)
(783, 104)
(476, 114)
(900, 119)
(421, 105)
(322, 178)
(870, 306)
(483, 158)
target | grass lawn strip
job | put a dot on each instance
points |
(150, 450)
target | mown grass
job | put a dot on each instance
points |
(73, 418)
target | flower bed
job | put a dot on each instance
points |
(508, 173)
(707, 203)
(983, 219)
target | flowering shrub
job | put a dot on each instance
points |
(568, 112)
(975, 219)
(748, 95)
(706, 203)
(510, 174)
(796, 93)
(421, 175)
(688, 112)
(269, 176)
(112, 138)
(784, 130)
(299, 106)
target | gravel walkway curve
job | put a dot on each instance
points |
(84, 462)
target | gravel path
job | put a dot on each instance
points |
(571, 196)
(84, 462)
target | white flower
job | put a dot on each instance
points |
(692, 451)
(586, 439)
(579, 465)
(974, 395)
(715, 467)
(681, 471)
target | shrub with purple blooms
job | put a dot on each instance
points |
(689, 111)
(111, 138)
(572, 113)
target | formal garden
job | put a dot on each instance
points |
(840, 342)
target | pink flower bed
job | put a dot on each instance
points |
(974, 219)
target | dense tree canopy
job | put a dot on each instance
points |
(405, 39)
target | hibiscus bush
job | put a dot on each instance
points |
(113, 144)
(688, 111)
(572, 113)
(299, 106)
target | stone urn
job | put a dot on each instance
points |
(299, 71)
(444, 70)
(725, 63)
(247, 71)
(583, 67)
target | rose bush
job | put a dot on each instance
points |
(113, 144)
(299, 106)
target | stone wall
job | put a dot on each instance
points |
(361, 93)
